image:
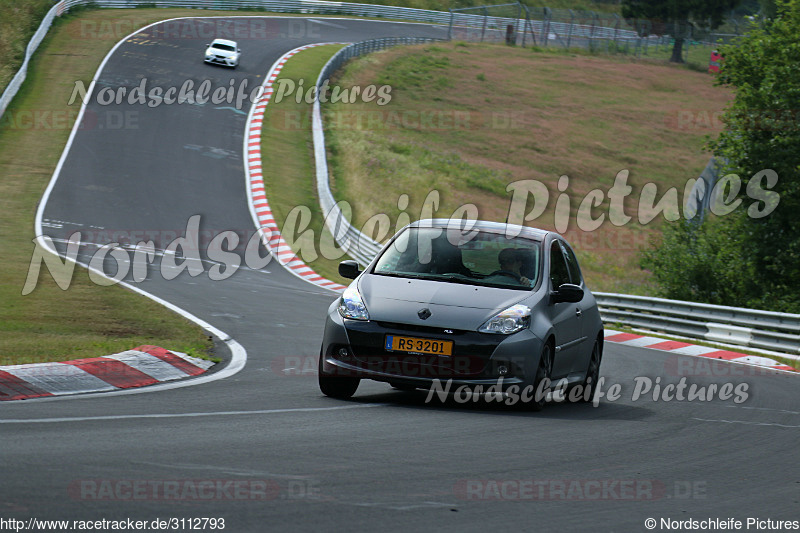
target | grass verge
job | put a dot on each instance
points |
(287, 156)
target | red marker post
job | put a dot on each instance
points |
(715, 62)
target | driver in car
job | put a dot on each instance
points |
(511, 261)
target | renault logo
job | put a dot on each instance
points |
(424, 313)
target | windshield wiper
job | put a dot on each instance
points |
(410, 275)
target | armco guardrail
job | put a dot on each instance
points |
(765, 330)
(356, 244)
(320, 7)
(33, 44)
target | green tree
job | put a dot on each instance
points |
(743, 258)
(762, 131)
(674, 17)
(768, 9)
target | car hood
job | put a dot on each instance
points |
(452, 305)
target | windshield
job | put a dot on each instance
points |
(226, 47)
(477, 258)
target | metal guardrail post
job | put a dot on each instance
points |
(450, 26)
(548, 15)
(571, 25)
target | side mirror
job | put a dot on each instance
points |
(567, 293)
(349, 269)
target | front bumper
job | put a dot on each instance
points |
(357, 348)
(219, 60)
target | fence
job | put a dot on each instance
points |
(519, 24)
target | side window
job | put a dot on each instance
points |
(572, 262)
(559, 274)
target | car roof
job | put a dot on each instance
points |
(223, 41)
(483, 225)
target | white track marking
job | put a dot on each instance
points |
(748, 423)
(187, 415)
(326, 23)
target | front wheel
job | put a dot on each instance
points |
(592, 373)
(339, 387)
(539, 397)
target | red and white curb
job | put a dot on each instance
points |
(259, 205)
(144, 365)
(684, 348)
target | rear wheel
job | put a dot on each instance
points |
(340, 387)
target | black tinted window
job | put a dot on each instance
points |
(559, 274)
(572, 262)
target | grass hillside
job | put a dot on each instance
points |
(467, 120)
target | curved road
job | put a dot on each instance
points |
(282, 456)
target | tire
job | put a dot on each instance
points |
(542, 372)
(593, 372)
(339, 387)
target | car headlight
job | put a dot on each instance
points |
(352, 306)
(515, 318)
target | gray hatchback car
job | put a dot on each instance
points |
(480, 306)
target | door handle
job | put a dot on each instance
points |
(577, 311)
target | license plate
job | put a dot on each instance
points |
(418, 345)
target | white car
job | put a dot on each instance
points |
(223, 52)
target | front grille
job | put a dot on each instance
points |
(427, 330)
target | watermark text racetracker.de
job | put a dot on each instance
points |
(576, 490)
(104, 524)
